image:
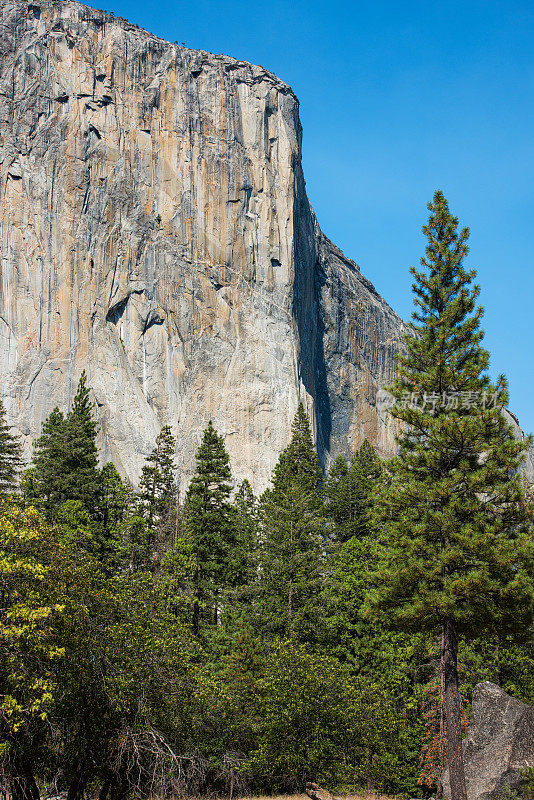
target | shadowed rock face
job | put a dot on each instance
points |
(155, 230)
(499, 744)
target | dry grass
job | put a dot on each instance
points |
(364, 796)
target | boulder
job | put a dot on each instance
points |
(316, 793)
(499, 743)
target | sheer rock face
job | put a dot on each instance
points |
(499, 744)
(155, 230)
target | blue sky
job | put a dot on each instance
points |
(397, 100)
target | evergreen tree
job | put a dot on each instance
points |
(292, 539)
(454, 521)
(65, 461)
(209, 526)
(111, 513)
(10, 455)
(82, 477)
(347, 491)
(113, 498)
(46, 477)
(243, 566)
(157, 488)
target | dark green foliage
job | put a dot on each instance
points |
(10, 455)
(65, 461)
(395, 664)
(82, 479)
(292, 540)
(208, 524)
(453, 519)
(45, 479)
(112, 499)
(453, 522)
(334, 729)
(124, 674)
(157, 488)
(347, 491)
(149, 530)
(244, 563)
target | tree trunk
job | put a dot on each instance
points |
(442, 720)
(78, 783)
(104, 791)
(196, 617)
(449, 666)
(23, 785)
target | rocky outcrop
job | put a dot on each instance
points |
(155, 230)
(499, 744)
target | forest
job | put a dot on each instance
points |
(222, 643)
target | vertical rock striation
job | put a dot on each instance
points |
(155, 230)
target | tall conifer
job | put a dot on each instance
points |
(10, 454)
(157, 490)
(82, 477)
(454, 521)
(347, 491)
(292, 539)
(65, 461)
(209, 526)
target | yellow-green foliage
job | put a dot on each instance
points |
(25, 622)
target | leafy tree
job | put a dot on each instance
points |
(316, 722)
(209, 526)
(27, 684)
(10, 455)
(124, 674)
(292, 540)
(453, 520)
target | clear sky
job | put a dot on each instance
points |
(399, 99)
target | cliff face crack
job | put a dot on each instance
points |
(116, 311)
(155, 317)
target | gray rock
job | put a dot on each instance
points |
(499, 743)
(155, 230)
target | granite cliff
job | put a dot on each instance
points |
(155, 230)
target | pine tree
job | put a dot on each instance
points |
(454, 521)
(347, 489)
(113, 497)
(49, 463)
(351, 558)
(243, 565)
(292, 539)
(65, 461)
(157, 488)
(10, 455)
(111, 513)
(81, 474)
(209, 526)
